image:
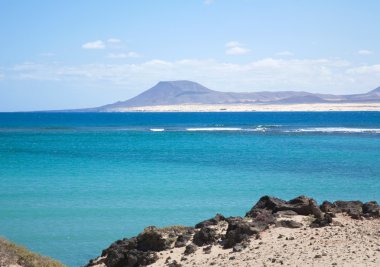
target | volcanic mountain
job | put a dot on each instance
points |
(188, 92)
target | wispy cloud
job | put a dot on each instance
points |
(99, 44)
(123, 55)
(208, 2)
(111, 43)
(318, 75)
(236, 48)
(114, 41)
(370, 69)
(285, 54)
(365, 52)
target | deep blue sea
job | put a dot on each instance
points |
(72, 183)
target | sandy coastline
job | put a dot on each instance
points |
(346, 243)
(252, 107)
(274, 232)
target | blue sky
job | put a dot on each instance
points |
(72, 54)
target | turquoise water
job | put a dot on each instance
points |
(73, 183)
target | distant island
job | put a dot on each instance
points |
(191, 96)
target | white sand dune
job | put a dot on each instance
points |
(252, 107)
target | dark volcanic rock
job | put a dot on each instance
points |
(213, 221)
(352, 208)
(356, 209)
(205, 236)
(142, 250)
(324, 221)
(289, 224)
(130, 258)
(328, 207)
(238, 231)
(267, 203)
(191, 248)
(182, 241)
(121, 245)
(371, 209)
(137, 251)
(262, 216)
(301, 205)
(207, 250)
(151, 240)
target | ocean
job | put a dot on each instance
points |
(72, 183)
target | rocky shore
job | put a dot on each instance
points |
(275, 232)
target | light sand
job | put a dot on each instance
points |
(254, 107)
(346, 243)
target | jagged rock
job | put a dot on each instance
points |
(371, 209)
(322, 222)
(352, 208)
(234, 219)
(355, 209)
(174, 264)
(238, 231)
(130, 258)
(182, 241)
(263, 217)
(207, 250)
(213, 221)
(121, 245)
(152, 240)
(301, 205)
(142, 250)
(191, 248)
(266, 203)
(205, 236)
(289, 224)
(328, 207)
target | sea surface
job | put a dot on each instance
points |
(72, 183)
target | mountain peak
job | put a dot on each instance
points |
(181, 85)
(376, 90)
(182, 92)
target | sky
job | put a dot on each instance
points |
(87, 53)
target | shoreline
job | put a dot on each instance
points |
(275, 232)
(324, 107)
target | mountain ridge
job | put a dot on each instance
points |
(187, 92)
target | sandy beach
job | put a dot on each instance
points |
(346, 243)
(273, 233)
(253, 107)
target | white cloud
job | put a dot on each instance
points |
(208, 2)
(236, 48)
(99, 44)
(284, 54)
(371, 69)
(317, 75)
(123, 55)
(114, 41)
(365, 52)
(232, 44)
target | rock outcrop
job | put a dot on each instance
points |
(231, 233)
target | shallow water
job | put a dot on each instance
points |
(73, 183)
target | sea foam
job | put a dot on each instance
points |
(338, 130)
